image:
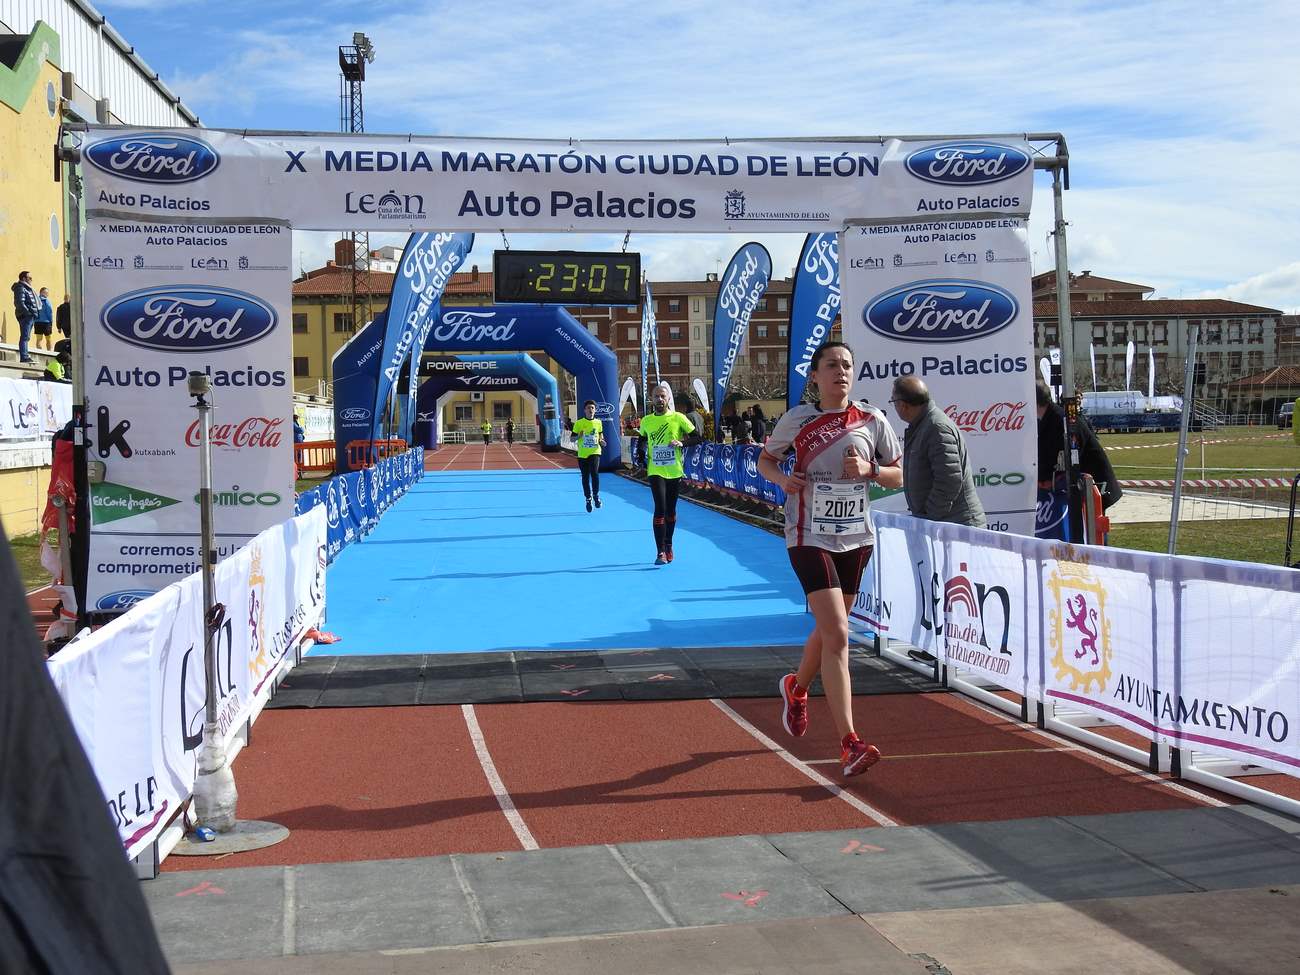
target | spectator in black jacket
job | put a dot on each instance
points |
(1092, 458)
(26, 308)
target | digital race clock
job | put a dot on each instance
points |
(567, 277)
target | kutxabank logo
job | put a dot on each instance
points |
(1078, 629)
(967, 163)
(941, 310)
(188, 318)
(154, 157)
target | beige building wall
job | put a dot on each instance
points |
(31, 202)
(22, 498)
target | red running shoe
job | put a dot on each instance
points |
(857, 756)
(794, 716)
(668, 554)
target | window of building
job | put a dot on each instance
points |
(1099, 333)
(710, 306)
(464, 412)
(1051, 335)
(697, 358)
(782, 304)
(631, 333)
(1139, 331)
(695, 305)
(674, 331)
(300, 321)
(502, 411)
(1159, 332)
(674, 305)
(1234, 362)
(301, 366)
(762, 304)
(1120, 333)
(761, 331)
(342, 321)
(695, 333)
(674, 358)
(1234, 331)
(1214, 331)
(593, 328)
(783, 331)
(761, 356)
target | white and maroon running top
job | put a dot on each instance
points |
(820, 439)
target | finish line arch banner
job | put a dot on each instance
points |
(552, 330)
(484, 374)
(949, 301)
(328, 181)
(161, 298)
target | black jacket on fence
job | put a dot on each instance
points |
(69, 900)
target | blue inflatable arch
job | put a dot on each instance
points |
(487, 373)
(549, 329)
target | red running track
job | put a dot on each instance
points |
(378, 783)
(473, 456)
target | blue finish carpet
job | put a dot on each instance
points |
(474, 561)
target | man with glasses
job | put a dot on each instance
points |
(937, 479)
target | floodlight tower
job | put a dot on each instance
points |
(353, 59)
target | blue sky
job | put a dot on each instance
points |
(1180, 117)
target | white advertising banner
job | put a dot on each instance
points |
(162, 299)
(135, 687)
(949, 302)
(33, 409)
(326, 181)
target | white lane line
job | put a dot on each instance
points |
(660, 907)
(290, 912)
(838, 791)
(494, 780)
(1058, 742)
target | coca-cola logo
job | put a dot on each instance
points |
(253, 431)
(994, 418)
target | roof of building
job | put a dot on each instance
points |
(1277, 376)
(1087, 281)
(1154, 308)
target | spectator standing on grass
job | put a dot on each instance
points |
(26, 307)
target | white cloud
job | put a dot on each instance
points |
(1277, 288)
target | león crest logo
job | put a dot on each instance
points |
(1078, 628)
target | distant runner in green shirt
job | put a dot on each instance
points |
(589, 436)
(666, 432)
(487, 432)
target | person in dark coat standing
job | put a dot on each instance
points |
(937, 478)
(1092, 457)
(26, 308)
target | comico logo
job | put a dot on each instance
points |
(154, 158)
(967, 163)
(121, 601)
(188, 318)
(948, 310)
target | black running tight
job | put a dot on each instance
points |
(664, 491)
(590, 468)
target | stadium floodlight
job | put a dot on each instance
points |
(364, 47)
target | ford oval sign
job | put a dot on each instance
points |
(940, 311)
(121, 601)
(154, 157)
(188, 318)
(967, 163)
(355, 414)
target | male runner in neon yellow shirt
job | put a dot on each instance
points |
(589, 435)
(665, 432)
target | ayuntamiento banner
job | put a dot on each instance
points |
(328, 181)
(949, 302)
(162, 298)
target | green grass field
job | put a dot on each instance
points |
(1250, 451)
(1241, 539)
(27, 553)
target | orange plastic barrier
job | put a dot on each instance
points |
(363, 453)
(314, 455)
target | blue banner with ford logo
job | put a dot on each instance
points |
(739, 291)
(733, 468)
(814, 306)
(356, 377)
(354, 502)
(427, 264)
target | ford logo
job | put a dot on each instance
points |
(119, 602)
(966, 163)
(188, 318)
(605, 410)
(154, 157)
(355, 414)
(941, 311)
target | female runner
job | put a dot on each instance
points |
(840, 447)
(666, 432)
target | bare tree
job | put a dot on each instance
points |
(755, 384)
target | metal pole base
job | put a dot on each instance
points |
(248, 834)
